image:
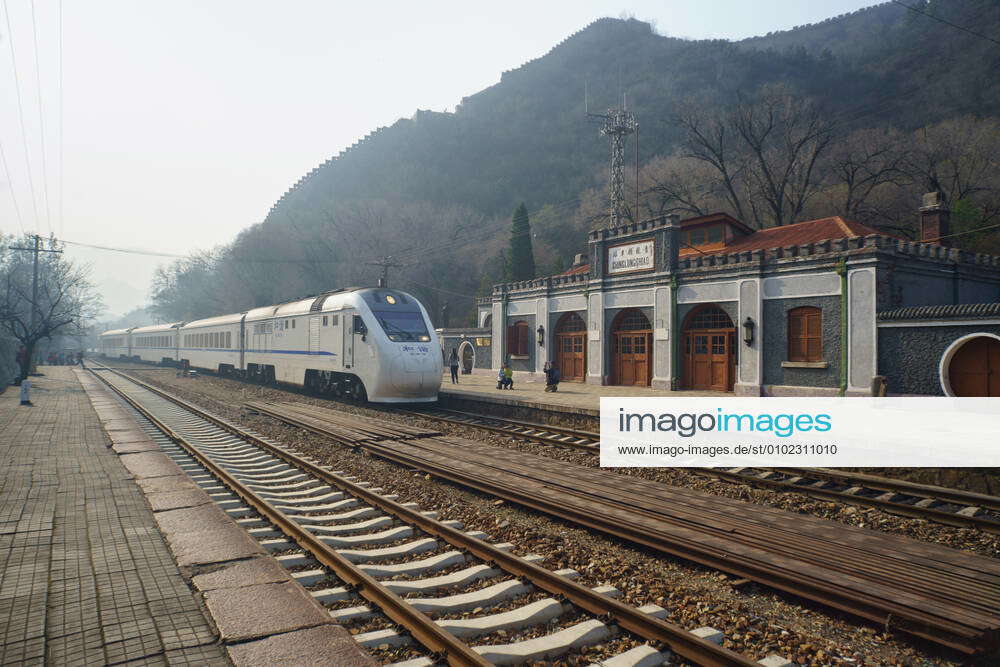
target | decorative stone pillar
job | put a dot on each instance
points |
(595, 338)
(541, 319)
(498, 342)
(861, 333)
(751, 358)
(662, 339)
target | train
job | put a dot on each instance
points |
(366, 343)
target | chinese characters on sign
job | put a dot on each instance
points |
(630, 257)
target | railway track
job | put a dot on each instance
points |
(936, 593)
(395, 573)
(951, 507)
(541, 433)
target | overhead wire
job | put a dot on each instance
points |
(10, 186)
(41, 118)
(947, 22)
(20, 112)
(61, 144)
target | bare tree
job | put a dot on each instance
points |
(862, 163)
(65, 297)
(764, 152)
(959, 159)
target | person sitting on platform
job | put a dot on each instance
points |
(505, 378)
(551, 377)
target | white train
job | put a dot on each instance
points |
(366, 343)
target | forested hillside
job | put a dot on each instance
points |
(878, 101)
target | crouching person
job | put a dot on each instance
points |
(551, 377)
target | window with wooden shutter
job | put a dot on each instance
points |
(805, 334)
(517, 339)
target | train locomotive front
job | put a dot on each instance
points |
(374, 344)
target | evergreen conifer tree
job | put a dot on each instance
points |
(522, 257)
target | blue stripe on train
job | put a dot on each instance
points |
(220, 349)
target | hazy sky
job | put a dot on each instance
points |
(183, 122)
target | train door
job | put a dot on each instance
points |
(347, 320)
(314, 334)
(335, 339)
(242, 342)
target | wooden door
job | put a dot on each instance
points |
(631, 363)
(708, 360)
(975, 368)
(571, 356)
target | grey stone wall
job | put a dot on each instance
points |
(910, 357)
(450, 339)
(774, 330)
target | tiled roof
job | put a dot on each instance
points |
(964, 311)
(800, 233)
(575, 270)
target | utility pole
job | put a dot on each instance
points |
(386, 263)
(37, 250)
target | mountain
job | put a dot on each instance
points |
(435, 191)
(527, 138)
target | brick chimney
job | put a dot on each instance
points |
(935, 220)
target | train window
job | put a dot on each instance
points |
(229, 339)
(293, 324)
(325, 320)
(335, 320)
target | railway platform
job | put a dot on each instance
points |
(574, 401)
(110, 554)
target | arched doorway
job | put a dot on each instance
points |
(571, 347)
(708, 347)
(971, 366)
(467, 355)
(631, 349)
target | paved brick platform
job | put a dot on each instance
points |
(85, 575)
(528, 392)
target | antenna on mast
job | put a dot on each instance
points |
(616, 124)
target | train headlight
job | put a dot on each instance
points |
(390, 299)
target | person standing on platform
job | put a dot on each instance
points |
(453, 364)
(508, 376)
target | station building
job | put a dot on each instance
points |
(823, 307)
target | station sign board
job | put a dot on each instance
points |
(630, 257)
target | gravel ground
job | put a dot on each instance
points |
(755, 620)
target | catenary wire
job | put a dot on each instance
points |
(41, 118)
(20, 113)
(10, 186)
(947, 22)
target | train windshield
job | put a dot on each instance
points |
(403, 327)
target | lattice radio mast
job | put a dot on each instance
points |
(617, 124)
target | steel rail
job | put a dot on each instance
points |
(424, 630)
(678, 639)
(923, 491)
(509, 427)
(885, 612)
(984, 523)
(956, 496)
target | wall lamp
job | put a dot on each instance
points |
(748, 327)
(541, 335)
